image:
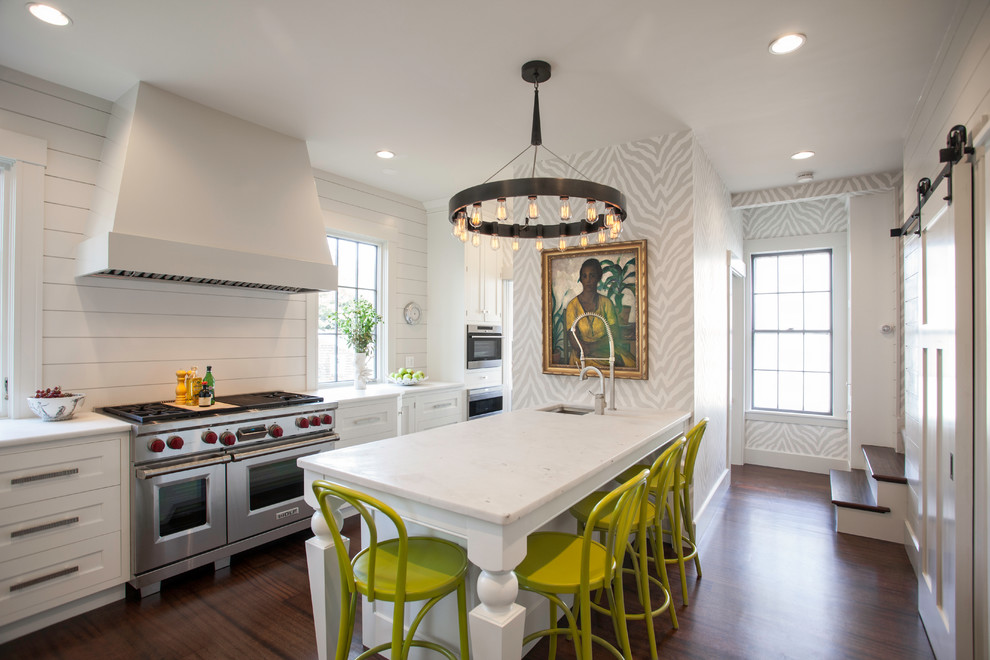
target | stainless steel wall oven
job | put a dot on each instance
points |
(484, 401)
(484, 346)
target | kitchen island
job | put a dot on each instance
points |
(487, 483)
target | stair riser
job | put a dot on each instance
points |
(882, 526)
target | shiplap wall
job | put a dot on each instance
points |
(121, 341)
(354, 209)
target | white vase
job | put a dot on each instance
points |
(361, 371)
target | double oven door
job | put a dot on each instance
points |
(195, 505)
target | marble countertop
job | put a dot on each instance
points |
(501, 467)
(380, 391)
(22, 431)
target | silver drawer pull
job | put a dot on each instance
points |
(45, 527)
(367, 420)
(44, 578)
(47, 475)
(444, 405)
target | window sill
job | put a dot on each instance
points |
(795, 418)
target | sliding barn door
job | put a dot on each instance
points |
(939, 424)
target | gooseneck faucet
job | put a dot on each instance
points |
(600, 397)
(611, 356)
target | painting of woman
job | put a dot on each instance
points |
(592, 335)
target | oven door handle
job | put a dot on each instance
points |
(315, 439)
(151, 472)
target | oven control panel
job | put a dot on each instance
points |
(157, 442)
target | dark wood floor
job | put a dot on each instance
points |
(778, 583)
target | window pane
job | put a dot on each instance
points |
(347, 263)
(818, 393)
(791, 272)
(791, 390)
(791, 351)
(332, 244)
(818, 352)
(791, 311)
(765, 312)
(817, 311)
(765, 350)
(764, 389)
(367, 266)
(764, 274)
(818, 271)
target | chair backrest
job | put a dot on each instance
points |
(663, 473)
(691, 449)
(366, 506)
(621, 508)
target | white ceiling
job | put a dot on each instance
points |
(438, 83)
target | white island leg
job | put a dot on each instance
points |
(497, 624)
(324, 582)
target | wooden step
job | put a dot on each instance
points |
(851, 489)
(885, 464)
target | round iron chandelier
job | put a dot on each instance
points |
(600, 211)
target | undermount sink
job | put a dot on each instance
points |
(565, 409)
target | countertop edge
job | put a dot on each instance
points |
(16, 432)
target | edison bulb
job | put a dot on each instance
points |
(562, 243)
(601, 235)
(476, 216)
(500, 211)
(475, 239)
(494, 241)
(592, 211)
(539, 242)
(565, 208)
(609, 216)
(584, 239)
(534, 211)
(515, 243)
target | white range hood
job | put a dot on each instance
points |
(186, 193)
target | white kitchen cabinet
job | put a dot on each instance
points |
(422, 409)
(483, 283)
(364, 420)
(475, 378)
(64, 529)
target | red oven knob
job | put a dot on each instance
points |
(157, 445)
(275, 431)
(210, 437)
(302, 422)
(314, 420)
(227, 438)
(327, 419)
(175, 442)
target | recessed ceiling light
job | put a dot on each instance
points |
(787, 43)
(801, 155)
(48, 14)
(805, 177)
(385, 153)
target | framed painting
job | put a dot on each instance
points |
(603, 280)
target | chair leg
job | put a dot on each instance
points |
(688, 518)
(644, 595)
(462, 618)
(660, 564)
(676, 540)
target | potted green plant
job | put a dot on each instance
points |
(356, 321)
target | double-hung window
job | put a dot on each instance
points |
(359, 275)
(792, 332)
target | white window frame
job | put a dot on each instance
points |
(838, 243)
(380, 298)
(25, 158)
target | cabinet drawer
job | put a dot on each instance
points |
(474, 378)
(46, 579)
(372, 421)
(438, 409)
(31, 528)
(42, 474)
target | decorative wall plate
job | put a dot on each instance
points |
(412, 313)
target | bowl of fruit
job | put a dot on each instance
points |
(54, 405)
(407, 377)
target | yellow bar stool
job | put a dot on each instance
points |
(681, 516)
(407, 568)
(660, 483)
(558, 563)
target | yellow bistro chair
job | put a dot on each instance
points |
(407, 568)
(681, 516)
(559, 563)
(660, 482)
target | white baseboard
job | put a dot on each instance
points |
(706, 512)
(801, 462)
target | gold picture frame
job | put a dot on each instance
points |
(619, 294)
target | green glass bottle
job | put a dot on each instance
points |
(209, 381)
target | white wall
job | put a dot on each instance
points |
(121, 341)
(446, 343)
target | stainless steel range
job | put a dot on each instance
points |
(208, 483)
